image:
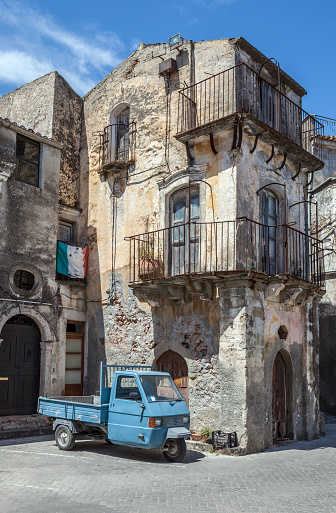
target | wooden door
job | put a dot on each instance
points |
(19, 366)
(74, 359)
(279, 408)
(177, 367)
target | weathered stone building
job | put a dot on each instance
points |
(323, 192)
(180, 170)
(38, 204)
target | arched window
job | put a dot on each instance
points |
(117, 136)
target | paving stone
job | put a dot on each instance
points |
(36, 477)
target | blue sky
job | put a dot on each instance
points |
(84, 40)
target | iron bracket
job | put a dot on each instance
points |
(212, 144)
(237, 134)
(310, 181)
(190, 157)
(283, 162)
(255, 144)
(299, 171)
(272, 155)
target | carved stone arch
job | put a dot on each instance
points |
(172, 345)
(117, 109)
(179, 180)
(39, 319)
(47, 341)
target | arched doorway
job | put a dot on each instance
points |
(19, 366)
(177, 367)
(279, 398)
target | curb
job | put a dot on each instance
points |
(25, 432)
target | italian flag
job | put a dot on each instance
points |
(71, 261)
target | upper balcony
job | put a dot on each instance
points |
(217, 101)
(329, 126)
(200, 252)
(117, 146)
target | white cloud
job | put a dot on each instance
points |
(26, 49)
(16, 67)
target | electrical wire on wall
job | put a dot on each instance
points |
(167, 135)
(112, 293)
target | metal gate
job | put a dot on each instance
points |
(19, 366)
(177, 367)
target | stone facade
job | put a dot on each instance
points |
(324, 193)
(227, 327)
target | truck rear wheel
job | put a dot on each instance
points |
(175, 449)
(65, 440)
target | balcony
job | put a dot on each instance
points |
(329, 126)
(241, 94)
(117, 147)
(220, 250)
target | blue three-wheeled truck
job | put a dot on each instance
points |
(136, 407)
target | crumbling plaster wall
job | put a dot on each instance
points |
(136, 203)
(222, 339)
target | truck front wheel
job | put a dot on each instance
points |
(175, 449)
(64, 438)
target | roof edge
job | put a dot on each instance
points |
(36, 136)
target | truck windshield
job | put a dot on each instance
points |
(160, 388)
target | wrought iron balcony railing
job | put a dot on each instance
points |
(117, 145)
(218, 248)
(241, 90)
(329, 125)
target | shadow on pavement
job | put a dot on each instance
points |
(26, 440)
(329, 440)
(131, 453)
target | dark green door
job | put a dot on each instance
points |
(19, 366)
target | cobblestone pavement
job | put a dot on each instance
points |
(36, 477)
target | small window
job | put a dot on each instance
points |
(65, 232)
(74, 327)
(126, 385)
(27, 160)
(24, 280)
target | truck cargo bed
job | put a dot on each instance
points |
(80, 408)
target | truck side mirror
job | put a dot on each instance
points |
(135, 396)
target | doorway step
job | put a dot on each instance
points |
(17, 426)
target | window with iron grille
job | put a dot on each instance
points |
(65, 232)
(27, 161)
(24, 280)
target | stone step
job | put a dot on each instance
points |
(16, 426)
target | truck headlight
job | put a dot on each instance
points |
(186, 419)
(153, 422)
